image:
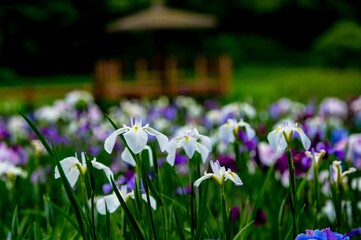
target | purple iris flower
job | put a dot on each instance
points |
(128, 179)
(260, 218)
(169, 112)
(338, 135)
(4, 133)
(211, 104)
(180, 159)
(301, 161)
(39, 175)
(250, 144)
(324, 234)
(354, 232)
(235, 212)
(339, 152)
(228, 162)
(280, 108)
(52, 132)
(183, 190)
(15, 154)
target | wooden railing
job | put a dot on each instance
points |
(211, 77)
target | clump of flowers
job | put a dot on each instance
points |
(323, 234)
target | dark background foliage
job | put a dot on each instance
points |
(41, 37)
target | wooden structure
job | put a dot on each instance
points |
(168, 76)
(209, 77)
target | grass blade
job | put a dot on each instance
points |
(239, 234)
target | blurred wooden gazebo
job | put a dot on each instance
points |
(211, 76)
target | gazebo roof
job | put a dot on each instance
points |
(158, 16)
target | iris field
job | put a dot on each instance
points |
(182, 169)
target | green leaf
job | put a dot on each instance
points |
(178, 223)
(239, 234)
(280, 215)
(107, 222)
(146, 187)
(36, 231)
(66, 215)
(73, 200)
(301, 186)
(153, 190)
(261, 193)
(38, 134)
(15, 224)
(133, 224)
(90, 171)
(202, 211)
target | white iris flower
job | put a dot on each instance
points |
(338, 175)
(191, 141)
(283, 134)
(220, 174)
(228, 130)
(72, 168)
(112, 202)
(136, 137)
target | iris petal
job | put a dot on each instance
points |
(136, 139)
(110, 141)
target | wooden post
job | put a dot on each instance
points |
(201, 68)
(172, 72)
(141, 70)
(225, 74)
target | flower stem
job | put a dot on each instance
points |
(292, 189)
(192, 197)
(317, 194)
(224, 210)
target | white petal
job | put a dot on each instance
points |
(206, 141)
(66, 164)
(189, 146)
(111, 202)
(127, 157)
(226, 133)
(274, 138)
(72, 176)
(161, 138)
(201, 179)
(106, 169)
(136, 139)
(215, 168)
(171, 149)
(306, 142)
(282, 143)
(151, 162)
(110, 141)
(234, 178)
(203, 151)
(250, 131)
(153, 203)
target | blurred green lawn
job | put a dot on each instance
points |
(258, 84)
(261, 85)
